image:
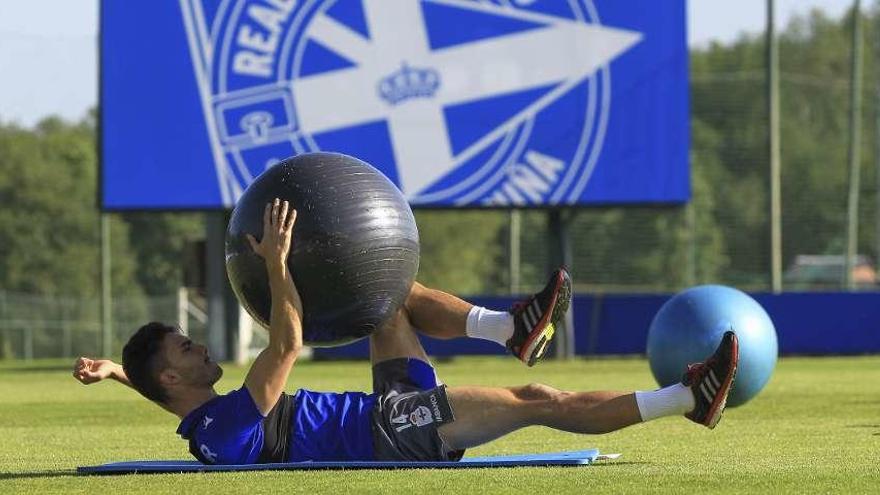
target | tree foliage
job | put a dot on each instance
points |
(159, 241)
(49, 223)
(729, 111)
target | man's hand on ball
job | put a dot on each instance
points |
(278, 220)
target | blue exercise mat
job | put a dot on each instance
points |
(574, 458)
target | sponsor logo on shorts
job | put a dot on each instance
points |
(436, 406)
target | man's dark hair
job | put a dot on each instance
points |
(142, 360)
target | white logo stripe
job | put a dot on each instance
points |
(536, 316)
(537, 307)
(710, 387)
(530, 318)
(709, 397)
(524, 317)
(715, 381)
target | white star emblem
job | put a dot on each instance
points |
(563, 52)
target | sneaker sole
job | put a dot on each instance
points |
(538, 347)
(538, 343)
(717, 410)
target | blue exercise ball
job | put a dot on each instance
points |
(689, 326)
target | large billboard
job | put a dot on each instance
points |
(462, 103)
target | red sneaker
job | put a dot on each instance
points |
(535, 319)
(711, 381)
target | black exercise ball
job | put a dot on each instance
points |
(355, 249)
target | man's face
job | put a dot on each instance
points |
(190, 361)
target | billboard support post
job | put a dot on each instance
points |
(855, 129)
(775, 156)
(514, 250)
(106, 290)
(215, 281)
(558, 223)
(877, 145)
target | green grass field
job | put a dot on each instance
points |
(814, 429)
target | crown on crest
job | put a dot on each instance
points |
(409, 82)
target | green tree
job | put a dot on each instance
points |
(691, 248)
(49, 225)
(462, 251)
(729, 98)
(159, 241)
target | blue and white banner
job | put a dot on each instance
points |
(462, 103)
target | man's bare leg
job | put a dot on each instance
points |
(483, 414)
(436, 313)
(396, 339)
(441, 315)
(526, 330)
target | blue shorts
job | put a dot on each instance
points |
(410, 408)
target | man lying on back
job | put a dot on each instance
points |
(410, 415)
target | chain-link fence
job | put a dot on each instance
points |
(48, 327)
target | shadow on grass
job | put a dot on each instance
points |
(71, 472)
(876, 434)
(15, 369)
(618, 463)
(37, 474)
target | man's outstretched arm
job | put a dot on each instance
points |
(268, 375)
(89, 371)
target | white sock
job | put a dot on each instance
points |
(674, 400)
(486, 324)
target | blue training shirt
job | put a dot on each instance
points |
(228, 429)
(332, 427)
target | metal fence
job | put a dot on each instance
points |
(50, 327)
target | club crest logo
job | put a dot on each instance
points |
(459, 102)
(421, 416)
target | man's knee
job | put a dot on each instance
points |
(397, 323)
(396, 339)
(416, 292)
